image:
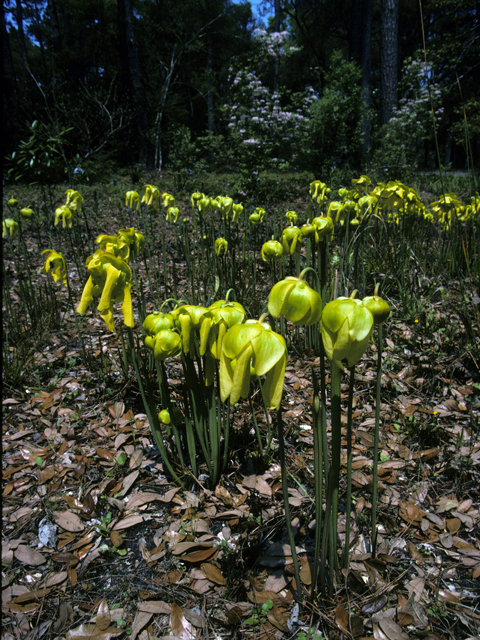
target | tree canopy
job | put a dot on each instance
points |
(158, 82)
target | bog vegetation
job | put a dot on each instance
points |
(228, 341)
(241, 320)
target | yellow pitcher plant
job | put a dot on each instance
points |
(55, 265)
(271, 250)
(252, 348)
(9, 228)
(74, 200)
(132, 200)
(64, 213)
(221, 246)
(296, 300)
(110, 280)
(346, 327)
(151, 197)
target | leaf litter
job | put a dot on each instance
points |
(123, 553)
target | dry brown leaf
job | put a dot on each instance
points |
(222, 494)
(103, 618)
(278, 619)
(176, 619)
(144, 497)
(64, 615)
(142, 618)
(136, 459)
(56, 578)
(92, 632)
(200, 556)
(116, 539)
(213, 573)
(154, 606)
(27, 555)
(45, 474)
(392, 630)
(341, 618)
(183, 547)
(411, 513)
(68, 521)
(305, 574)
(129, 521)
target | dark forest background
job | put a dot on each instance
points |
(100, 85)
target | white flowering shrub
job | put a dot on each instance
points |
(412, 124)
(263, 131)
(334, 131)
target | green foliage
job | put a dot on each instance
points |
(40, 159)
(401, 143)
(334, 131)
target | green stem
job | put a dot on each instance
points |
(151, 411)
(376, 437)
(318, 474)
(348, 508)
(286, 505)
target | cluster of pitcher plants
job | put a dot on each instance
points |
(225, 355)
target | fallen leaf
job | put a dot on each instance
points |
(213, 573)
(27, 555)
(68, 521)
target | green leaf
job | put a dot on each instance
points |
(122, 458)
(39, 461)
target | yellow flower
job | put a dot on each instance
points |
(167, 344)
(225, 204)
(291, 240)
(55, 264)
(65, 214)
(347, 210)
(74, 200)
(257, 216)
(378, 307)
(188, 319)
(132, 200)
(195, 198)
(114, 245)
(346, 327)
(151, 196)
(204, 203)
(237, 209)
(291, 216)
(271, 250)
(298, 302)
(26, 213)
(12, 203)
(172, 214)
(154, 323)
(324, 225)
(363, 182)
(252, 348)
(111, 280)
(10, 227)
(168, 200)
(222, 316)
(135, 241)
(221, 246)
(316, 190)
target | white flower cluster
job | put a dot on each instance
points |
(258, 118)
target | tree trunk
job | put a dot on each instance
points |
(210, 80)
(134, 79)
(388, 59)
(54, 25)
(21, 33)
(10, 93)
(276, 69)
(366, 62)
